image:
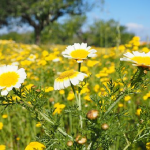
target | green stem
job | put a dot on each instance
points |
(79, 99)
(80, 108)
(51, 122)
(113, 105)
(137, 76)
(72, 86)
(10, 130)
(79, 67)
(70, 122)
(59, 129)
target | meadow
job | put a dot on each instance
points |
(109, 109)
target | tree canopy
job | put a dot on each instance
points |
(40, 13)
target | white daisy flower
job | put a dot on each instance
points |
(11, 76)
(79, 52)
(139, 59)
(32, 57)
(67, 78)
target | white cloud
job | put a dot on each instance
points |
(139, 30)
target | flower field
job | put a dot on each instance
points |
(59, 98)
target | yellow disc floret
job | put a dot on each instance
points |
(79, 54)
(141, 60)
(8, 79)
(67, 74)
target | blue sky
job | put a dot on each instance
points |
(134, 14)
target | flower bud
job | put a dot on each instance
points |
(105, 126)
(145, 71)
(92, 114)
(38, 90)
(81, 140)
(69, 143)
(51, 99)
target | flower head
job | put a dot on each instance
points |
(67, 78)
(79, 52)
(139, 59)
(2, 147)
(35, 146)
(58, 108)
(11, 76)
(1, 125)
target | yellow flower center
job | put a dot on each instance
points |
(67, 74)
(79, 54)
(141, 60)
(9, 79)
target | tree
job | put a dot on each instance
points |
(63, 33)
(41, 13)
(104, 33)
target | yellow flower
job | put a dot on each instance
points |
(17, 138)
(49, 89)
(91, 63)
(96, 88)
(42, 62)
(67, 78)
(35, 146)
(62, 92)
(45, 53)
(29, 86)
(87, 98)
(4, 116)
(145, 49)
(1, 125)
(138, 111)
(148, 146)
(120, 105)
(38, 124)
(2, 147)
(70, 96)
(127, 98)
(11, 77)
(79, 52)
(26, 63)
(58, 108)
(84, 69)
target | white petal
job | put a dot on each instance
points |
(76, 45)
(4, 92)
(83, 46)
(66, 82)
(74, 81)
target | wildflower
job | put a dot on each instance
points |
(4, 116)
(96, 88)
(148, 146)
(139, 59)
(127, 98)
(49, 89)
(79, 52)
(120, 105)
(1, 125)
(58, 108)
(62, 92)
(138, 111)
(70, 96)
(32, 57)
(67, 78)
(35, 145)
(17, 138)
(38, 124)
(11, 77)
(2, 147)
